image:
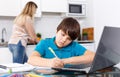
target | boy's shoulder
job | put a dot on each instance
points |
(47, 40)
(75, 43)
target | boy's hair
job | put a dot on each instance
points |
(70, 26)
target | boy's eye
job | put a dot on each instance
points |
(62, 34)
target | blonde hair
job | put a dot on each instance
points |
(28, 11)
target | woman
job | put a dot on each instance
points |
(22, 32)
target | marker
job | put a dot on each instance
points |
(53, 52)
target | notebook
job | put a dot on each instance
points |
(107, 53)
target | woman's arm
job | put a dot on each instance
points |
(30, 29)
(84, 59)
(36, 60)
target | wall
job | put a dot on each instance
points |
(6, 22)
(106, 13)
(90, 14)
(47, 24)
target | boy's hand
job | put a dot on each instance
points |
(56, 62)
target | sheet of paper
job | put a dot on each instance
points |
(117, 65)
(16, 67)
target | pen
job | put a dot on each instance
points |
(52, 52)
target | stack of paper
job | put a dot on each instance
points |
(16, 67)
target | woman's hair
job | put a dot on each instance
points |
(28, 10)
(70, 26)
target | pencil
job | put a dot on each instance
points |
(53, 52)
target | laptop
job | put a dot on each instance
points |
(107, 53)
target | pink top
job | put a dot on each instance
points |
(23, 33)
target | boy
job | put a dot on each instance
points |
(63, 46)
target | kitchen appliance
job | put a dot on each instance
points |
(76, 9)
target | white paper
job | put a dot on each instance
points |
(117, 65)
(16, 67)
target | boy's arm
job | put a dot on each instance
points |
(84, 59)
(36, 60)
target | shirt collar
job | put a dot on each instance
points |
(54, 46)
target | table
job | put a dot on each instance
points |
(105, 73)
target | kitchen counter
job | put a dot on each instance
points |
(89, 44)
(86, 41)
(6, 45)
(3, 45)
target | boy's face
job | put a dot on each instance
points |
(62, 39)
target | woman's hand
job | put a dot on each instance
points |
(56, 62)
(31, 41)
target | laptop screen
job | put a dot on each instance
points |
(108, 51)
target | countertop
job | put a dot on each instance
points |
(85, 41)
(5, 44)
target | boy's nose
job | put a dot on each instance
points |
(64, 39)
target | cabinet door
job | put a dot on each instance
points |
(54, 5)
(38, 2)
(9, 7)
(30, 49)
(89, 46)
(5, 55)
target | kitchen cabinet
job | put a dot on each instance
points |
(89, 46)
(10, 7)
(5, 55)
(14, 7)
(38, 2)
(30, 49)
(54, 6)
